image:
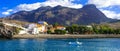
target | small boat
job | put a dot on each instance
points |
(75, 43)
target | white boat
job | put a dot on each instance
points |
(75, 43)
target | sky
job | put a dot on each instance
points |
(111, 8)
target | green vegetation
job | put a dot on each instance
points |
(94, 29)
(86, 29)
(49, 32)
(104, 29)
(75, 29)
(15, 30)
(1, 25)
(57, 31)
(56, 24)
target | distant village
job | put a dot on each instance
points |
(39, 28)
(35, 28)
(43, 27)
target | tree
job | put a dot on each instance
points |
(15, 30)
(49, 31)
(57, 31)
(117, 31)
(56, 24)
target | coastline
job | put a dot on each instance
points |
(28, 36)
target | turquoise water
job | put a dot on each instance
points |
(108, 44)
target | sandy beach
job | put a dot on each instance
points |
(66, 36)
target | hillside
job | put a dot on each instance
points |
(22, 23)
(65, 16)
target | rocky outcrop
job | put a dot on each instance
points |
(5, 32)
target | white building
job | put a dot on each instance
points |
(35, 28)
(35, 31)
(23, 32)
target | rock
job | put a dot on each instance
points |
(5, 33)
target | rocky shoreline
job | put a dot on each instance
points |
(27, 36)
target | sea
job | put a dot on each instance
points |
(95, 44)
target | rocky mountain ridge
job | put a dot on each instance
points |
(62, 15)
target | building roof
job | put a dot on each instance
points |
(43, 22)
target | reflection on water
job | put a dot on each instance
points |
(60, 45)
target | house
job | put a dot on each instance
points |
(37, 28)
(33, 29)
(52, 29)
(42, 23)
(30, 29)
(23, 32)
(60, 27)
(42, 26)
(89, 26)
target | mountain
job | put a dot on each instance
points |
(115, 21)
(63, 15)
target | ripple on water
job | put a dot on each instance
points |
(60, 45)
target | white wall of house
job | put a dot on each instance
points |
(31, 26)
(43, 29)
(35, 31)
(23, 32)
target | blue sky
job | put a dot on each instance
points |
(111, 8)
(10, 4)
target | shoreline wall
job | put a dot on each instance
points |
(66, 36)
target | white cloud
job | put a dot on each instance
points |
(104, 3)
(109, 4)
(69, 3)
(111, 14)
(52, 3)
(65, 3)
(7, 12)
(28, 7)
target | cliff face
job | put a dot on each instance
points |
(65, 16)
(5, 31)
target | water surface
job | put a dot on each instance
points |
(106, 44)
